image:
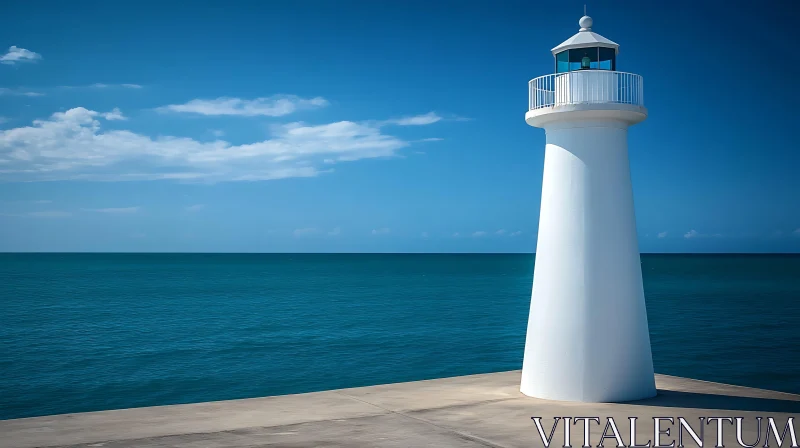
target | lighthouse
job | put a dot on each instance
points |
(587, 338)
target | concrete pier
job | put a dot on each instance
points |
(471, 411)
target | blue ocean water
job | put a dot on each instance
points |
(87, 332)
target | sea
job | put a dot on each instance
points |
(90, 332)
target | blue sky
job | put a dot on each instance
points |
(377, 126)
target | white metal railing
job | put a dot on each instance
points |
(585, 87)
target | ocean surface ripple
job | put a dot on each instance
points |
(88, 332)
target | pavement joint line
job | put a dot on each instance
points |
(196, 433)
(200, 433)
(463, 435)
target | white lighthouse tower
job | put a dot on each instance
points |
(587, 338)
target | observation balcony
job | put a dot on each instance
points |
(595, 93)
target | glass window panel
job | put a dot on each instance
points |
(608, 59)
(583, 58)
(562, 62)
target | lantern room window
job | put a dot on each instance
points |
(590, 58)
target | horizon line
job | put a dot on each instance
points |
(360, 253)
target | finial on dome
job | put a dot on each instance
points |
(585, 23)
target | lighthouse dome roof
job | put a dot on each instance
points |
(586, 38)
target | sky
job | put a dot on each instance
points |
(377, 126)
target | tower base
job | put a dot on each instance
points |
(588, 337)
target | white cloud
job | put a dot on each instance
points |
(101, 85)
(500, 232)
(517, 233)
(33, 201)
(114, 210)
(662, 235)
(695, 234)
(304, 231)
(478, 234)
(275, 106)
(434, 139)
(17, 55)
(19, 92)
(41, 214)
(382, 231)
(115, 114)
(217, 133)
(72, 145)
(417, 120)
(195, 208)
(456, 235)
(336, 231)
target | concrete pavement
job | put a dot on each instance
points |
(471, 411)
